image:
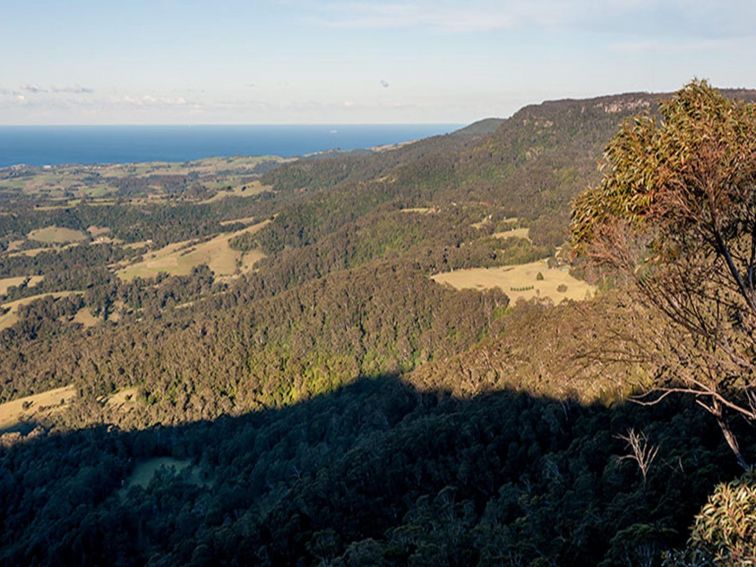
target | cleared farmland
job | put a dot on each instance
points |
(420, 210)
(7, 283)
(84, 317)
(35, 406)
(181, 257)
(513, 233)
(56, 235)
(245, 190)
(11, 317)
(521, 281)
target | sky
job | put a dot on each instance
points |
(338, 62)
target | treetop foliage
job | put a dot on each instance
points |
(694, 164)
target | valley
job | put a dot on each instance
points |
(404, 355)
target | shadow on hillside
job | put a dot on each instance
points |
(23, 428)
(372, 473)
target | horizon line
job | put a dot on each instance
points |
(245, 124)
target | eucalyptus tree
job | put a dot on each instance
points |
(675, 215)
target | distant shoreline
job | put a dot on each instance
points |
(39, 146)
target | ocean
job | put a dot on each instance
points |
(51, 145)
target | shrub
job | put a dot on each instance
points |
(725, 530)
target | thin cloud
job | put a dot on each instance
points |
(36, 89)
(148, 100)
(73, 90)
(33, 89)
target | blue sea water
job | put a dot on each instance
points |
(51, 145)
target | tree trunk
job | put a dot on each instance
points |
(718, 411)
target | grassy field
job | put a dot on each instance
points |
(521, 282)
(122, 399)
(135, 245)
(34, 251)
(7, 283)
(56, 235)
(96, 231)
(57, 185)
(249, 259)
(85, 317)
(478, 225)
(11, 317)
(50, 182)
(36, 406)
(51, 207)
(514, 233)
(243, 220)
(145, 471)
(505, 224)
(420, 210)
(96, 191)
(181, 257)
(244, 190)
(207, 166)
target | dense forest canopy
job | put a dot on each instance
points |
(251, 361)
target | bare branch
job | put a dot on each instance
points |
(641, 451)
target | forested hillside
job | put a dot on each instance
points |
(251, 361)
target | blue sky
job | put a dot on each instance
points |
(307, 61)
